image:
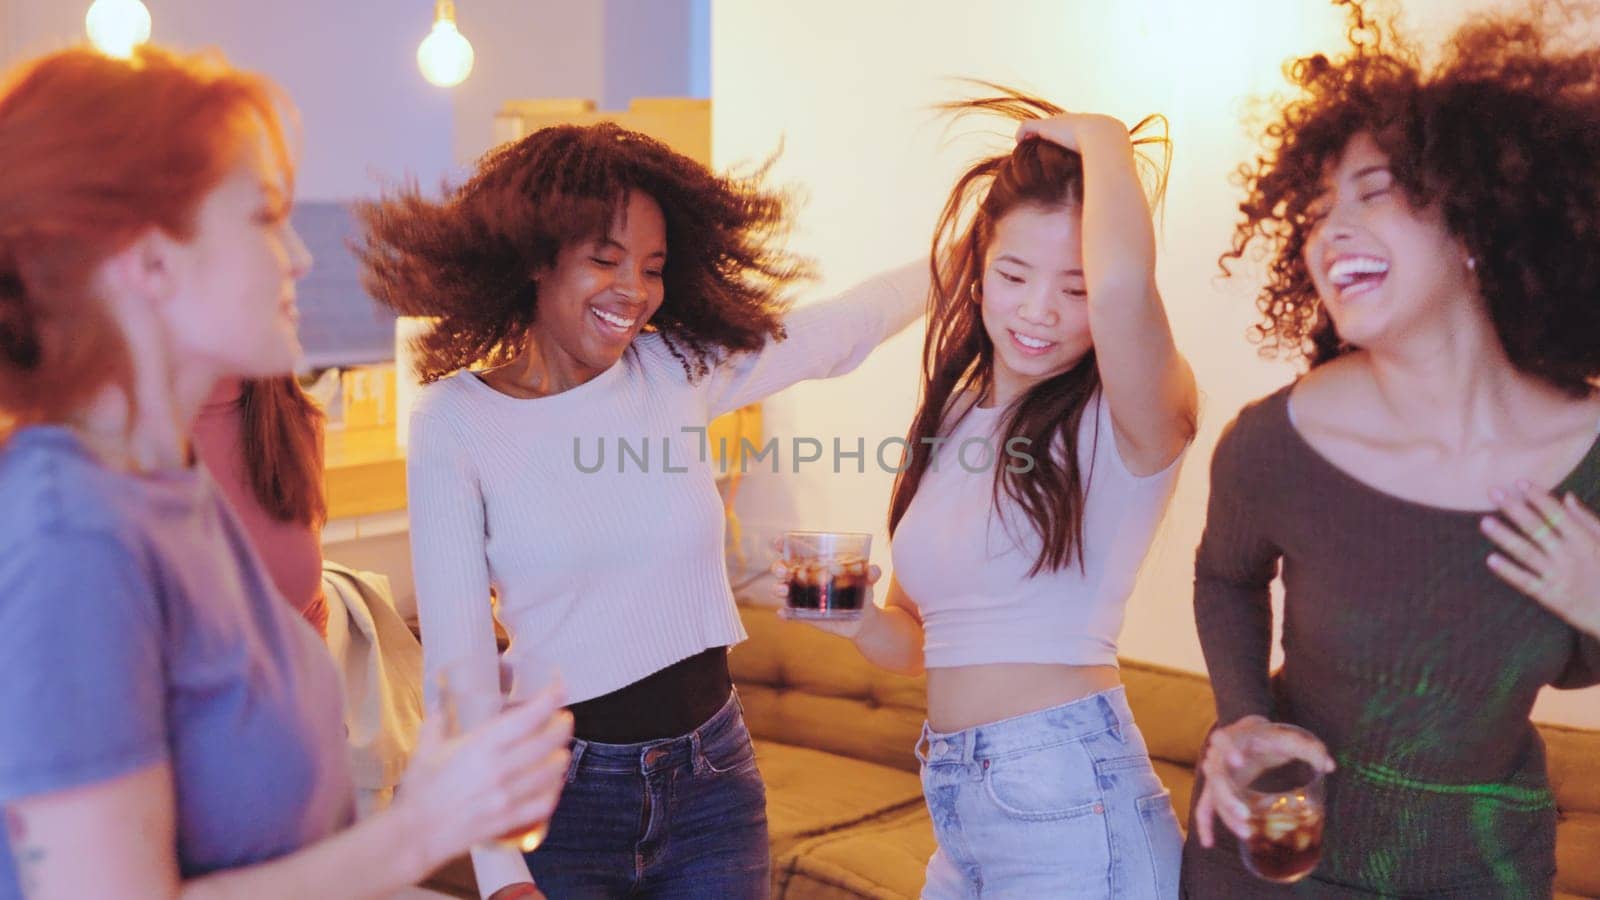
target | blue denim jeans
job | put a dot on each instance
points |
(1058, 803)
(683, 817)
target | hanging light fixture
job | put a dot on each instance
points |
(445, 55)
(115, 27)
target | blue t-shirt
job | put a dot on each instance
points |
(137, 626)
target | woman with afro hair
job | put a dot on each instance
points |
(593, 288)
(1426, 488)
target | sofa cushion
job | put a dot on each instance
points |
(1180, 781)
(884, 860)
(1574, 760)
(799, 682)
(812, 793)
(885, 857)
(805, 687)
(1578, 853)
(1173, 709)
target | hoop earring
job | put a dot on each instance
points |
(972, 291)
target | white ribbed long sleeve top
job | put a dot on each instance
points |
(607, 565)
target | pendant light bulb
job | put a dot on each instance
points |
(115, 27)
(445, 55)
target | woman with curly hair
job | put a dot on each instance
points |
(1047, 338)
(612, 290)
(1427, 486)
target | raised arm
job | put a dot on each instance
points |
(824, 339)
(1148, 384)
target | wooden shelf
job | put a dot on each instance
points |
(364, 472)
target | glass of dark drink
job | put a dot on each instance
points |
(827, 574)
(473, 691)
(1287, 812)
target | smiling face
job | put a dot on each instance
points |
(598, 295)
(233, 283)
(1384, 269)
(1035, 308)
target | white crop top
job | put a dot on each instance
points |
(967, 571)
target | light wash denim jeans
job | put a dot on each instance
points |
(682, 818)
(1058, 803)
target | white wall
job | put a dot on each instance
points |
(700, 48)
(650, 48)
(846, 85)
(525, 48)
(8, 28)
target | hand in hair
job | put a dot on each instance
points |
(1069, 129)
(1148, 384)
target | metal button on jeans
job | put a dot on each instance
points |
(940, 747)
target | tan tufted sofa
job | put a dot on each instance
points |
(844, 803)
(834, 738)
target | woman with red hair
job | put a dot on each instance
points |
(164, 710)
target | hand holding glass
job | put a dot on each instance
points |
(471, 693)
(1286, 803)
(826, 573)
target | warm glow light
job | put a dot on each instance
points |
(445, 56)
(117, 26)
(407, 373)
